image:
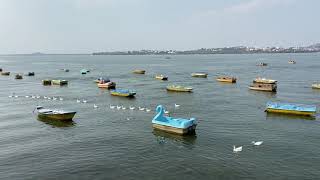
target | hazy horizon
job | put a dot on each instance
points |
(86, 26)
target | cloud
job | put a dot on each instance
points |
(253, 6)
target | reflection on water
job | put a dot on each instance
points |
(161, 136)
(57, 123)
(279, 116)
(267, 94)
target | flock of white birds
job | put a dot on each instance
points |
(95, 106)
(239, 149)
(119, 107)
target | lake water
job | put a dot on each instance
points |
(120, 144)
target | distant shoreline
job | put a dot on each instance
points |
(315, 48)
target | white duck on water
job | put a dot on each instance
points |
(258, 143)
(237, 149)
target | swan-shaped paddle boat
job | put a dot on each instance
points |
(173, 125)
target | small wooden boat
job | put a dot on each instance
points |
(162, 77)
(139, 71)
(5, 73)
(59, 82)
(108, 85)
(287, 108)
(18, 76)
(173, 125)
(100, 79)
(315, 85)
(264, 81)
(262, 64)
(123, 93)
(199, 75)
(227, 79)
(54, 114)
(30, 74)
(178, 88)
(263, 87)
(84, 71)
(65, 70)
(46, 82)
(292, 62)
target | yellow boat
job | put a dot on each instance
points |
(178, 88)
(108, 85)
(315, 85)
(5, 73)
(139, 71)
(123, 93)
(46, 82)
(200, 75)
(161, 77)
(59, 82)
(227, 79)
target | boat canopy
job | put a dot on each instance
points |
(292, 107)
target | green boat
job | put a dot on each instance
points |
(178, 88)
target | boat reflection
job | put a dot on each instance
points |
(265, 93)
(57, 123)
(275, 116)
(186, 139)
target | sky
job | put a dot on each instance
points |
(85, 26)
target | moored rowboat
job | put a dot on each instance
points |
(161, 77)
(315, 85)
(139, 71)
(18, 76)
(199, 74)
(54, 114)
(5, 73)
(227, 79)
(178, 88)
(108, 85)
(123, 93)
(59, 82)
(287, 108)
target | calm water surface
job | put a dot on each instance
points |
(110, 144)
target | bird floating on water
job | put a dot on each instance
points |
(84, 101)
(112, 107)
(78, 101)
(238, 149)
(141, 108)
(166, 112)
(95, 106)
(176, 105)
(27, 96)
(131, 108)
(148, 110)
(61, 99)
(118, 107)
(258, 143)
(54, 98)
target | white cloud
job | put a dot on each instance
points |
(253, 6)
